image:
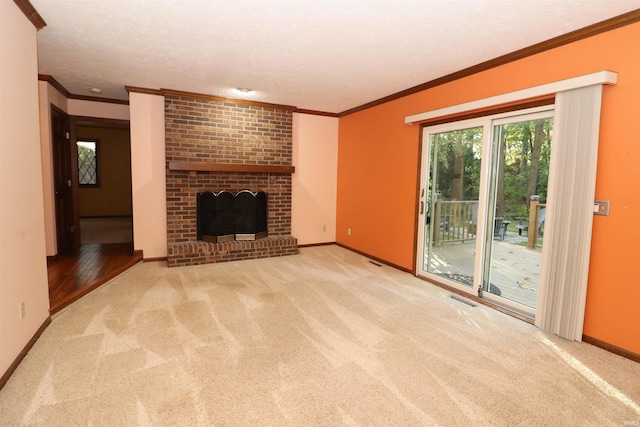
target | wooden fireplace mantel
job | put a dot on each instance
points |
(224, 167)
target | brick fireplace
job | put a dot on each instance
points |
(214, 144)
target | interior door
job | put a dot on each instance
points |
(62, 180)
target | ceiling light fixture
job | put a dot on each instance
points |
(95, 90)
(243, 90)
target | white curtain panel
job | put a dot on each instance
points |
(567, 234)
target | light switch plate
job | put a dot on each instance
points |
(601, 207)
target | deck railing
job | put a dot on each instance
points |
(536, 219)
(454, 221)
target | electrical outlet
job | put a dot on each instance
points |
(324, 228)
(22, 310)
(348, 232)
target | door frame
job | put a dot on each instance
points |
(100, 122)
(488, 122)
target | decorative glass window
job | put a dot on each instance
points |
(88, 162)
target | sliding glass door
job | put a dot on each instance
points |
(483, 188)
(452, 161)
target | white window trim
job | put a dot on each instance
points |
(597, 78)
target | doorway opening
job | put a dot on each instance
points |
(104, 180)
(92, 167)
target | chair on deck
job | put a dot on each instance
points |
(500, 228)
(541, 216)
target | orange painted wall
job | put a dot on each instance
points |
(378, 168)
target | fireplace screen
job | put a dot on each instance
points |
(224, 216)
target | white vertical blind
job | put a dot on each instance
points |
(567, 239)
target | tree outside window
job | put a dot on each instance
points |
(88, 163)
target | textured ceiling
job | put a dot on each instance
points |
(327, 55)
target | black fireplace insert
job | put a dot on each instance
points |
(225, 216)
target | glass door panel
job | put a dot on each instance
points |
(451, 179)
(518, 188)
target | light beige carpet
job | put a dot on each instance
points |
(323, 338)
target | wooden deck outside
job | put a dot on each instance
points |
(515, 269)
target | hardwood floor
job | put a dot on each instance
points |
(78, 272)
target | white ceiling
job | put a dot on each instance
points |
(327, 55)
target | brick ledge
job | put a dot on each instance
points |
(194, 253)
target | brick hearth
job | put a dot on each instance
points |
(212, 130)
